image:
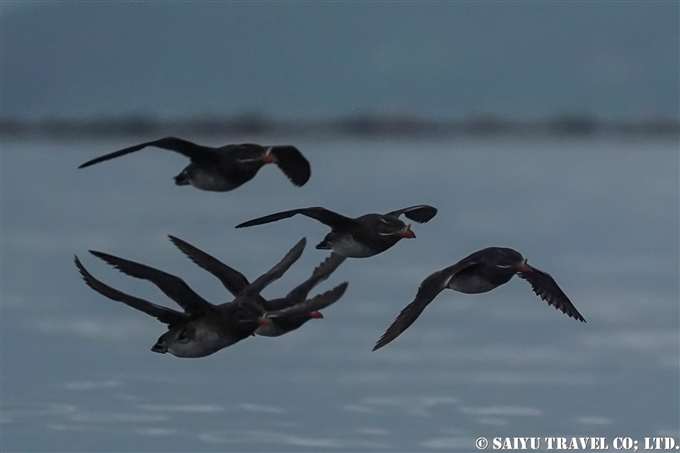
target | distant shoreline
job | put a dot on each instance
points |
(363, 125)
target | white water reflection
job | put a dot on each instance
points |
(507, 411)
(90, 385)
(201, 408)
(594, 420)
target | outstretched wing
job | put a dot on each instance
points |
(546, 288)
(173, 287)
(300, 292)
(292, 163)
(231, 279)
(249, 292)
(421, 213)
(184, 147)
(316, 303)
(428, 290)
(320, 273)
(323, 215)
(163, 314)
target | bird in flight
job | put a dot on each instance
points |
(361, 237)
(480, 272)
(226, 167)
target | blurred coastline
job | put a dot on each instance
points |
(358, 125)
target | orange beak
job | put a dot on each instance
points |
(407, 233)
(264, 321)
(316, 315)
(268, 159)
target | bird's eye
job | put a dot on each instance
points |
(182, 336)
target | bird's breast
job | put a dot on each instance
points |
(471, 284)
(346, 245)
(213, 180)
(270, 330)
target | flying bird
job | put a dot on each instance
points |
(226, 167)
(480, 272)
(280, 319)
(203, 328)
(361, 237)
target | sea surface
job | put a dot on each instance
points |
(600, 215)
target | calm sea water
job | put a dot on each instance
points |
(600, 215)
